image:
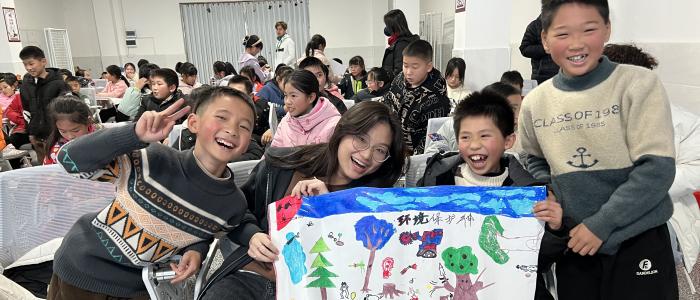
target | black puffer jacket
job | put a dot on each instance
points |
(149, 102)
(543, 67)
(36, 97)
(392, 61)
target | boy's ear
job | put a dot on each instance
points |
(430, 65)
(510, 141)
(172, 88)
(543, 37)
(193, 123)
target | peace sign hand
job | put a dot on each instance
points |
(155, 126)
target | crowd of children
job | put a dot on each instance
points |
(604, 216)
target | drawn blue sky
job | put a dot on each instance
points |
(508, 201)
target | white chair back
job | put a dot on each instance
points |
(175, 134)
(433, 125)
(113, 125)
(349, 103)
(241, 170)
(416, 168)
(528, 85)
(42, 203)
(91, 94)
(100, 84)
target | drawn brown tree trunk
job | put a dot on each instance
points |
(370, 262)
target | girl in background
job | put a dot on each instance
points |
(188, 78)
(130, 73)
(253, 45)
(354, 81)
(223, 71)
(454, 75)
(116, 83)
(70, 119)
(310, 118)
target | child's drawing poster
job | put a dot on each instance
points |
(445, 242)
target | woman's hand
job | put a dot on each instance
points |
(311, 187)
(262, 249)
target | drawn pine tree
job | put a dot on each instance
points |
(321, 264)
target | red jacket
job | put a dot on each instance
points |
(14, 114)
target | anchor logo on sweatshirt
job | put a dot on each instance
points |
(582, 156)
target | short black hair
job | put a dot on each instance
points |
(550, 8)
(630, 55)
(249, 72)
(31, 52)
(72, 79)
(379, 74)
(187, 69)
(197, 95)
(65, 72)
(456, 63)
(513, 77)
(168, 75)
(484, 104)
(502, 89)
(237, 79)
(419, 48)
(221, 91)
(142, 62)
(311, 61)
(145, 70)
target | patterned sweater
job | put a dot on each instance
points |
(414, 106)
(165, 204)
(606, 140)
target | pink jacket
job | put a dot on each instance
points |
(313, 128)
(114, 90)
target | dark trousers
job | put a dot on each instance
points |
(59, 290)
(241, 285)
(105, 114)
(643, 268)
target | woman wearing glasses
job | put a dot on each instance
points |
(366, 149)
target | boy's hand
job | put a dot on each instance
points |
(155, 126)
(583, 241)
(189, 265)
(262, 249)
(549, 211)
(309, 187)
(266, 137)
(139, 84)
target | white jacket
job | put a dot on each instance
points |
(285, 52)
(686, 213)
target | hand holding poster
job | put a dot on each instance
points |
(414, 243)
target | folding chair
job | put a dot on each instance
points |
(433, 125)
(241, 170)
(348, 103)
(273, 119)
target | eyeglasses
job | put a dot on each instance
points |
(361, 143)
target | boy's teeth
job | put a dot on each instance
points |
(577, 58)
(477, 157)
(224, 143)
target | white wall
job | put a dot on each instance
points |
(350, 28)
(9, 51)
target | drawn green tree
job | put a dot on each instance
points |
(320, 265)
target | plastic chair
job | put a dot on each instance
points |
(241, 170)
(415, 168)
(175, 134)
(349, 103)
(433, 125)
